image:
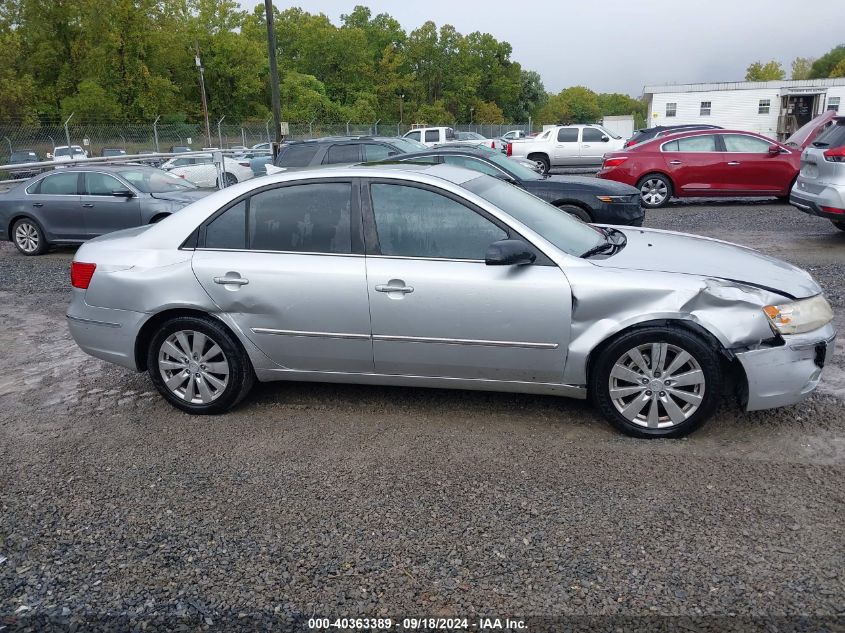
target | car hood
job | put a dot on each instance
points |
(187, 197)
(667, 251)
(590, 184)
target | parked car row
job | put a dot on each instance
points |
(694, 161)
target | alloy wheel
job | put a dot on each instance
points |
(193, 367)
(26, 237)
(656, 385)
(654, 191)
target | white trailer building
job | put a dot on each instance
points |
(772, 108)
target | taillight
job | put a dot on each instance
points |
(629, 143)
(614, 162)
(81, 273)
(509, 150)
(834, 210)
(835, 155)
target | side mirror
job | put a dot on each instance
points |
(605, 139)
(509, 253)
(774, 150)
(122, 193)
(49, 155)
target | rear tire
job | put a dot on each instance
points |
(655, 191)
(627, 382)
(577, 212)
(839, 225)
(199, 366)
(228, 180)
(542, 161)
(28, 237)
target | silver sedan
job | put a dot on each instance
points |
(435, 276)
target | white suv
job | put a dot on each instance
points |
(567, 146)
(820, 186)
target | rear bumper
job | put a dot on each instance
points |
(780, 376)
(103, 332)
(811, 203)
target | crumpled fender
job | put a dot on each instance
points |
(606, 302)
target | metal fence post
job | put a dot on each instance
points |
(376, 128)
(347, 127)
(310, 128)
(67, 133)
(243, 137)
(219, 133)
(267, 125)
(155, 131)
(11, 151)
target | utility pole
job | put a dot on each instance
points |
(401, 104)
(202, 90)
(274, 77)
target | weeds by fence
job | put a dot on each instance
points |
(140, 137)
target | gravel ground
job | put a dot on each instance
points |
(342, 501)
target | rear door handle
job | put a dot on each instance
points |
(88, 205)
(387, 288)
(234, 281)
(675, 162)
(734, 162)
(37, 204)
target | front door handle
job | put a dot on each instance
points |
(388, 288)
(88, 205)
(733, 162)
(37, 204)
(234, 281)
(675, 162)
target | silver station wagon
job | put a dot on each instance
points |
(436, 276)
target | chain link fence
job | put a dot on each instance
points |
(134, 138)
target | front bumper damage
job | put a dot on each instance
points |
(786, 374)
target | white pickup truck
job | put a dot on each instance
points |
(567, 146)
(431, 136)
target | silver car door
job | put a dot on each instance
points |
(103, 211)
(54, 202)
(438, 310)
(567, 147)
(286, 264)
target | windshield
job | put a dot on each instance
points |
(608, 132)
(149, 180)
(408, 145)
(24, 157)
(568, 234)
(514, 168)
(64, 151)
(469, 136)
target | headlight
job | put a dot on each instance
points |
(612, 199)
(800, 316)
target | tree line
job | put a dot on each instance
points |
(829, 65)
(133, 60)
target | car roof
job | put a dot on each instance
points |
(99, 167)
(340, 139)
(448, 149)
(686, 133)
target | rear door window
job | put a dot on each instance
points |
(567, 135)
(692, 144)
(345, 153)
(298, 155)
(60, 185)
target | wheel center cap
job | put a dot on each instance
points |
(193, 366)
(656, 385)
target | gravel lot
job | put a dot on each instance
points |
(320, 500)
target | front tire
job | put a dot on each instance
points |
(657, 382)
(28, 237)
(199, 366)
(655, 191)
(578, 212)
(228, 179)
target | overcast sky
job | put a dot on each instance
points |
(622, 45)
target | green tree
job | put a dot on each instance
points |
(825, 64)
(769, 71)
(801, 67)
(432, 114)
(91, 102)
(488, 112)
(839, 69)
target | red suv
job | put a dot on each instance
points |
(705, 163)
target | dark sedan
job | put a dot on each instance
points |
(69, 206)
(588, 199)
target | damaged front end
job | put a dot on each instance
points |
(777, 368)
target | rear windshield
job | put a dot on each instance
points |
(24, 157)
(834, 136)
